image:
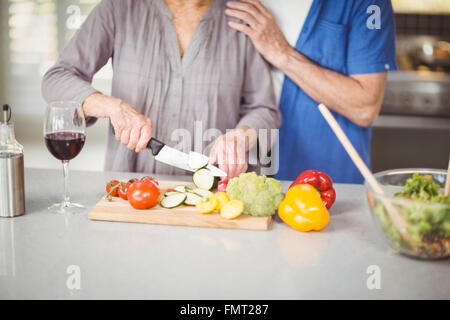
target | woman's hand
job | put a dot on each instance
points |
(230, 151)
(260, 25)
(131, 128)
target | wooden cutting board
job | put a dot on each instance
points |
(119, 210)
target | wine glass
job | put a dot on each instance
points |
(65, 134)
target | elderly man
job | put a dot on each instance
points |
(333, 52)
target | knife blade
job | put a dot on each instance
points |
(176, 158)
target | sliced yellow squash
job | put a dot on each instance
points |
(207, 204)
(222, 197)
(232, 209)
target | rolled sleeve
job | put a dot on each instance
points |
(371, 50)
(375, 67)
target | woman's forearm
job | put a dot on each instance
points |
(131, 128)
(356, 97)
(100, 106)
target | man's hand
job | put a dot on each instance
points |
(260, 25)
(230, 151)
(131, 128)
(357, 97)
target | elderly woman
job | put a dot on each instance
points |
(176, 63)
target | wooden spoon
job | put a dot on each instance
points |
(447, 180)
(397, 219)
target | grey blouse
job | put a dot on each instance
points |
(221, 81)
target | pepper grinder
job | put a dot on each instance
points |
(12, 189)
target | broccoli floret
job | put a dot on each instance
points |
(261, 195)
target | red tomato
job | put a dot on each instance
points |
(222, 186)
(112, 189)
(143, 194)
(156, 183)
(123, 190)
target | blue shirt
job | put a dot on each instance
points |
(336, 36)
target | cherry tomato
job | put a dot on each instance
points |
(112, 189)
(143, 194)
(123, 190)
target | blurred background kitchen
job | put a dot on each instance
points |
(413, 129)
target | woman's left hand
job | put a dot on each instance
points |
(230, 151)
(261, 27)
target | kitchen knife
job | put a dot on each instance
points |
(176, 158)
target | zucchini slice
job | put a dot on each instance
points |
(204, 179)
(192, 199)
(181, 189)
(202, 192)
(173, 201)
(170, 193)
(197, 160)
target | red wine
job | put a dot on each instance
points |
(65, 145)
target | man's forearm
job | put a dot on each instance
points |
(359, 101)
(357, 97)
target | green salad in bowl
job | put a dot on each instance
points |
(417, 196)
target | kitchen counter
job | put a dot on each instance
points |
(42, 255)
(411, 122)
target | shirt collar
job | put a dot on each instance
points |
(214, 8)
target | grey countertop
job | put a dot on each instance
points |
(45, 256)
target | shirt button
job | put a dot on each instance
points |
(387, 66)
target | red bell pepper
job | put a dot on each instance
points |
(322, 182)
(222, 186)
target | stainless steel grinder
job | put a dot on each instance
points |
(12, 188)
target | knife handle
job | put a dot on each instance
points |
(155, 145)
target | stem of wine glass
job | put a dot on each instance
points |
(66, 202)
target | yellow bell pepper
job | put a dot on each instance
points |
(303, 209)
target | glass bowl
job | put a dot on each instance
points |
(427, 224)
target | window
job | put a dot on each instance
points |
(32, 34)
